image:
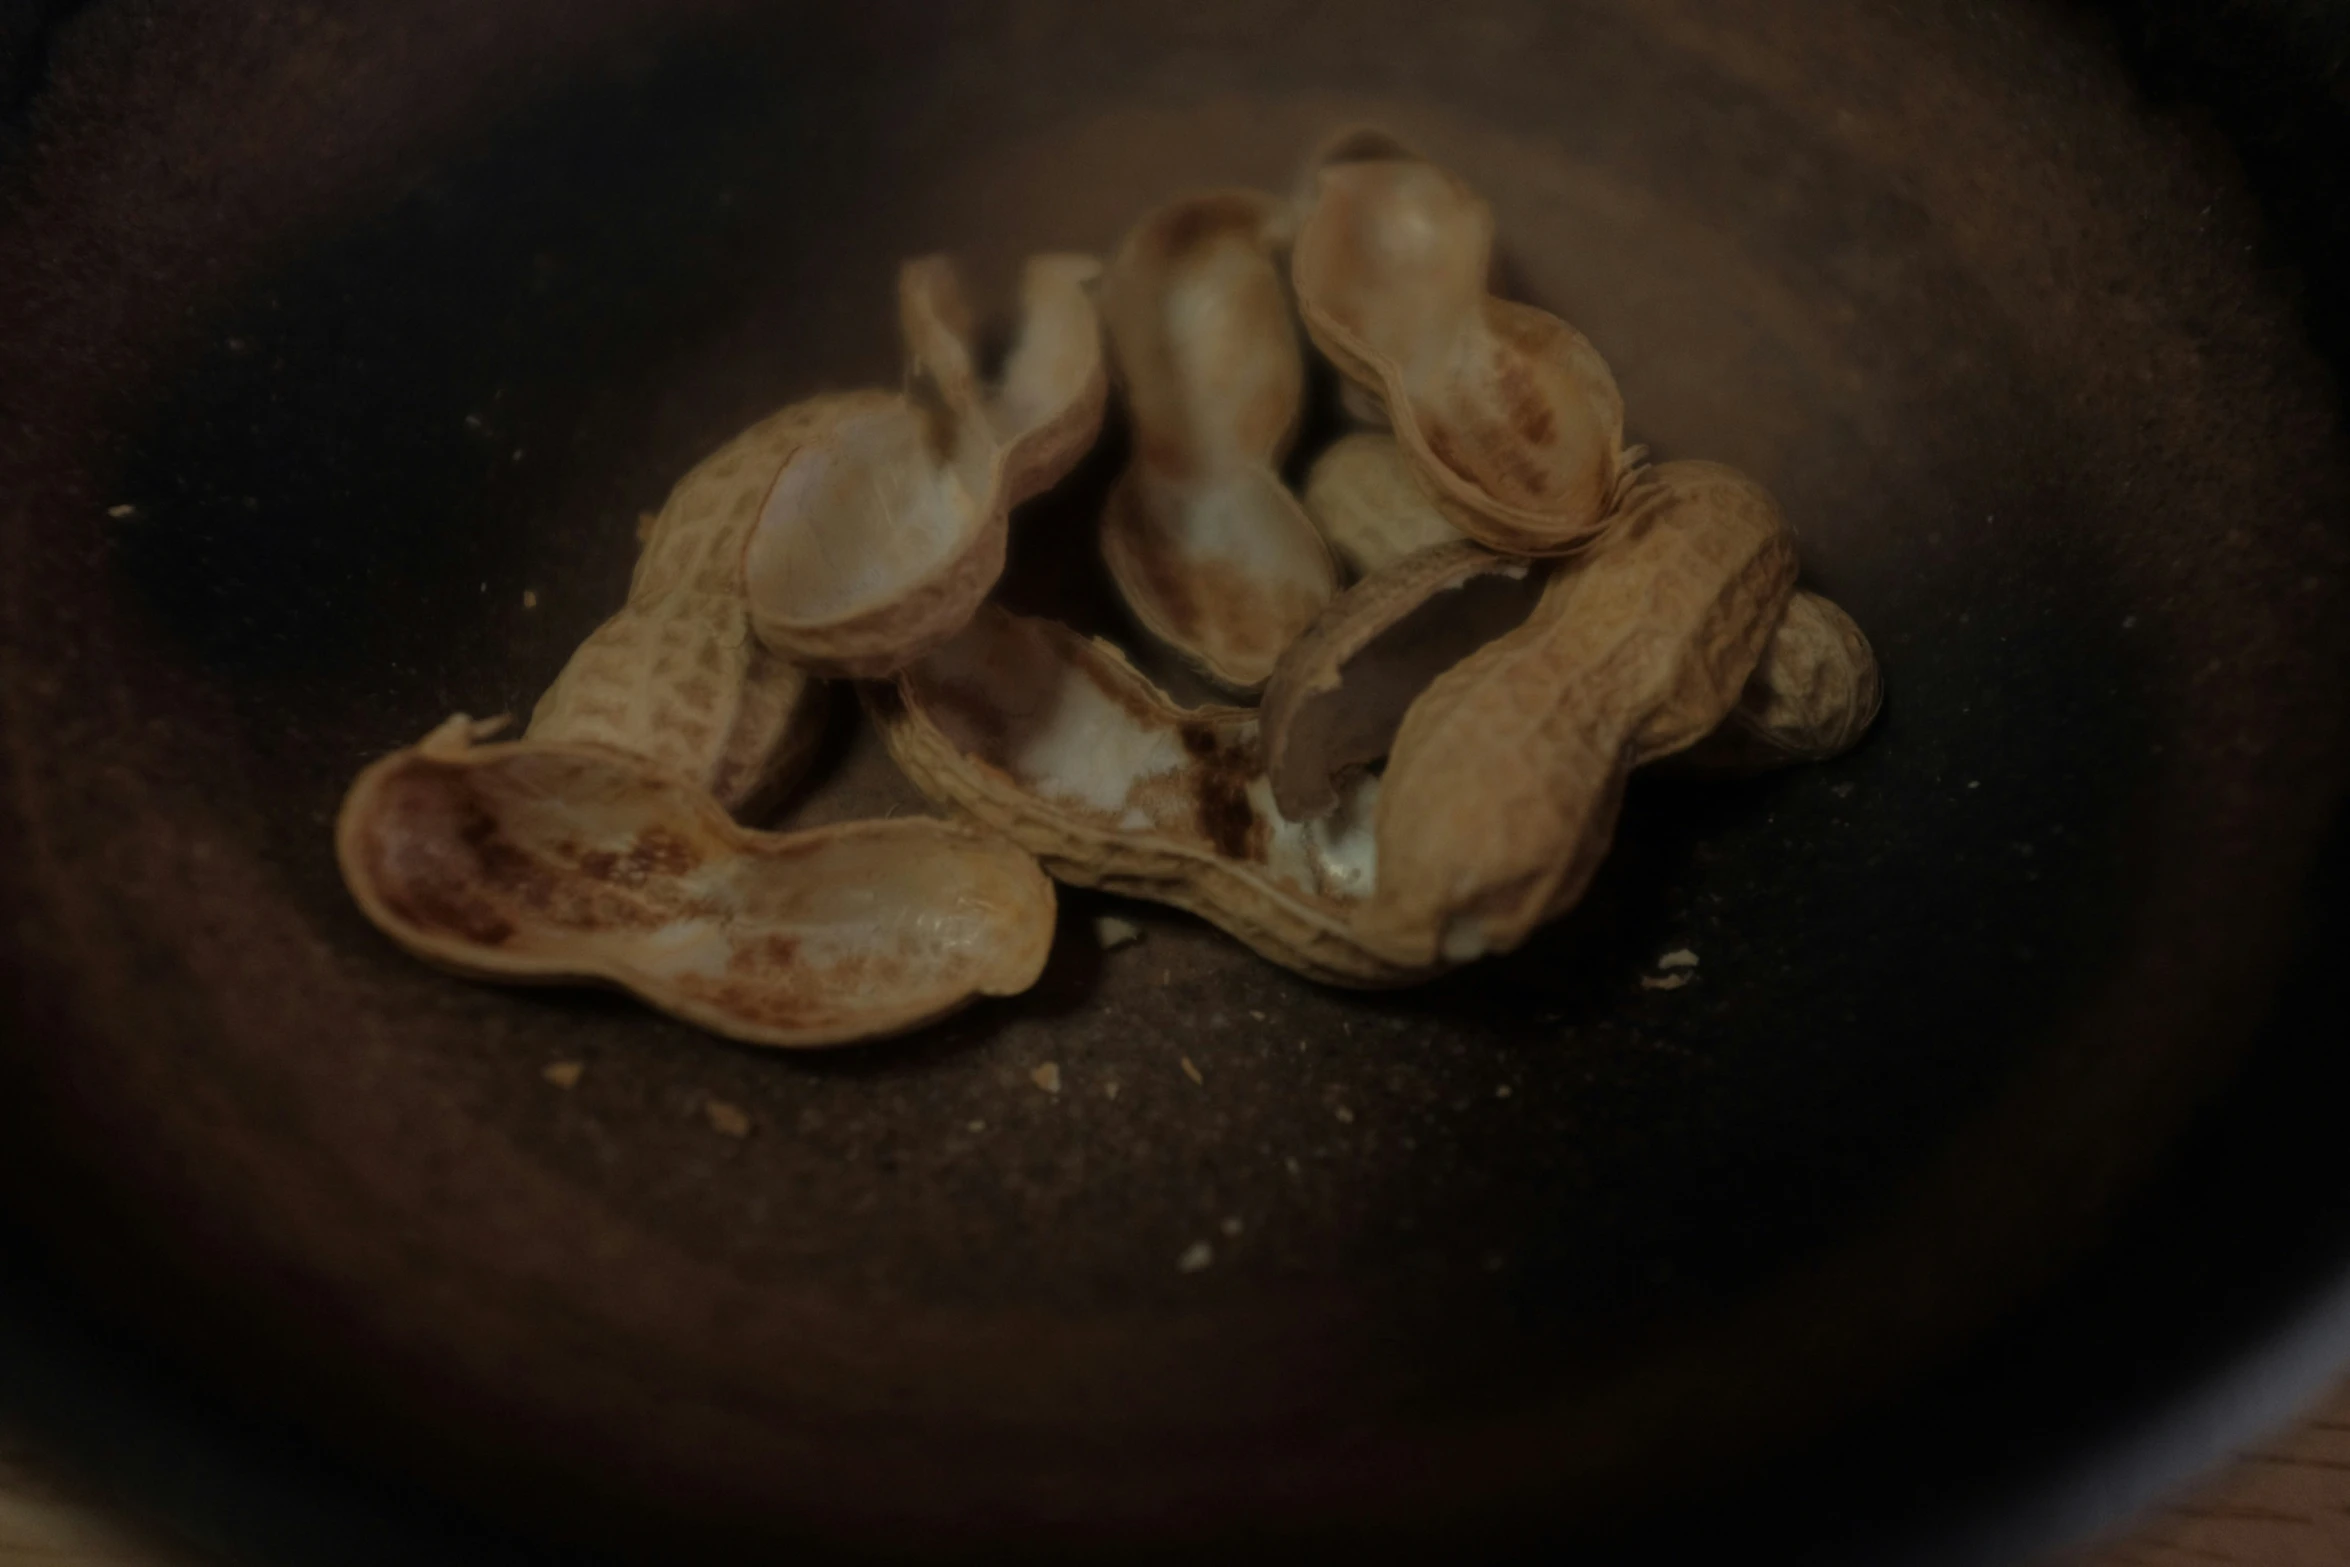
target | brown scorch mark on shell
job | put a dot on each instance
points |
(471, 856)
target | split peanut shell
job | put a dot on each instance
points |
(1057, 742)
(887, 527)
(1509, 417)
(1371, 511)
(537, 863)
(1501, 792)
(1341, 691)
(1208, 548)
(676, 676)
(1812, 697)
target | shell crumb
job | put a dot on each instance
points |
(1113, 932)
(976, 1126)
(726, 1119)
(1192, 1072)
(1345, 1116)
(1231, 1226)
(1503, 1091)
(1663, 981)
(1259, 1016)
(530, 598)
(120, 513)
(1197, 1256)
(1047, 1077)
(1109, 1090)
(1679, 957)
(564, 1074)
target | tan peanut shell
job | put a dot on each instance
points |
(1812, 697)
(1371, 511)
(1501, 792)
(676, 675)
(1339, 694)
(1057, 742)
(548, 863)
(888, 525)
(1210, 551)
(1509, 417)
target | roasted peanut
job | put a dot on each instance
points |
(1501, 792)
(887, 527)
(1509, 417)
(1209, 550)
(1340, 692)
(1058, 742)
(538, 862)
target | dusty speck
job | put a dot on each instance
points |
(1680, 957)
(1192, 1072)
(530, 598)
(1047, 1077)
(1196, 1256)
(727, 1120)
(1663, 981)
(1502, 1092)
(119, 513)
(1345, 1116)
(1231, 1226)
(563, 1074)
(1113, 932)
(977, 1126)
(1289, 1163)
(1259, 1016)
(1109, 1090)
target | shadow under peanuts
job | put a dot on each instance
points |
(1053, 563)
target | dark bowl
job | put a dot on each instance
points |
(1984, 1178)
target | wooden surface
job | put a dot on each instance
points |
(2285, 1503)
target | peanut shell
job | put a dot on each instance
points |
(1371, 511)
(1209, 550)
(887, 527)
(1812, 697)
(1340, 692)
(676, 676)
(1509, 417)
(1057, 742)
(543, 863)
(1501, 792)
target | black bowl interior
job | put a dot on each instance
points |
(344, 354)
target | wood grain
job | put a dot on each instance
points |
(2285, 1503)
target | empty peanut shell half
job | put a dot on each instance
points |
(1061, 745)
(1508, 415)
(676, 675)
(1502, 788)
(1341, 690)
(887, 526)
(1371, 511)
(1813, 696)
(539, 863)
(1210, 551)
